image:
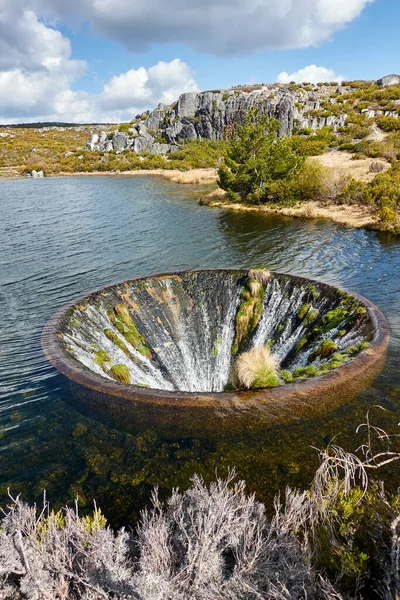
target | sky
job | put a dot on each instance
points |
(84, 61)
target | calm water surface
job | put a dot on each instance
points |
(62, 238)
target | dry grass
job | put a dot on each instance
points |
(194, 176)
(256, 368)
(262, 276)
(255, 287)
(343, 164)
(353, 216)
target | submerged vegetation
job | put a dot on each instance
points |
(338, 539)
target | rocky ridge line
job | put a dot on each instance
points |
(212, 114)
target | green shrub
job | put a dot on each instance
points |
(201, 153)
(259, 167)
(389, 123)
(306, 131)
(383, 191)
(313, 181)
(310, 146)
(388, 216)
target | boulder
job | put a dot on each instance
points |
(103, 138)
(187, 105)
(171, 133)
(142, 132)
(92, 141)
(158, 148)
(120, 140)
(389, 80)
(155, 119)
(142, 144)
(188, 131)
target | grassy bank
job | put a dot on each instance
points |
(330, 196)
(62, 151)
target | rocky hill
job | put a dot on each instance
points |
(213, 114)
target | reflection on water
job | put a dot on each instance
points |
(61, 238)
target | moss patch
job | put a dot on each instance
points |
(120, 373)
(121, 318)
(251, 307)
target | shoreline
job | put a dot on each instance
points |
(351, 216)
(357, 217)
(192, 177)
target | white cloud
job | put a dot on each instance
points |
(223, 27)
(141, 88)
(311, 73)
(37, 71)
(339, 12)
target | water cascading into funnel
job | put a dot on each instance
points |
(163, 352)
(184, 332)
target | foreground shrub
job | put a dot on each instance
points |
(389, 123)
(314, 181)
(338, 540)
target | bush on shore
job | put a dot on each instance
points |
(383, 193)
(259, 166)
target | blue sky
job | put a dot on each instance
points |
(87, 60)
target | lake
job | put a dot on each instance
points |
(61, 238)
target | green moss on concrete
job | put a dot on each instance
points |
(251, 308)
(303, 311)
(353, 350)
(101, 358)
(265, 380)
(313, 291)
(123, 314)
(215, 349)
(122, 320)
(111, 315)
(286, 376)
(301, 343)
(310, 316)
(310, 371)
(120, 373)
(333, 318)
(113, 337)
(327, 348)
(337, 359)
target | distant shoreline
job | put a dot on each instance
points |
(192, 177)
(352, 216)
